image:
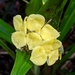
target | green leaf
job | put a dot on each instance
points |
(5, 47)
(68, 20)
(25, 67)
(51, 8)
(65, 57)
(22, 63)
(56, 20)
(5, 31)
(33, 7)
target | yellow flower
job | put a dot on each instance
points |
(40, 37)
(37, 24)
(18, 38)
(18, 23)
(33, 40)
(21, 37)
(49, 33)
(34, 29)
(47, 51)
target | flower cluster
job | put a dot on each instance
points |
(40, 37)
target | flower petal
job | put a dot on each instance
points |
(33, 39)
(55, 43)
(35, 22)
(48, 32)
(18, 23)
(25, 25)
(51, 45)
(18, 39)
(38, 56)
(52, 57)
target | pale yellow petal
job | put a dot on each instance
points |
(38, 56)
(48, 32)
(18, 39)
(51, 45)
(52, 57)
(18, 23)
(25, 25)
(35, 22)
(55, 43)
(33, 40)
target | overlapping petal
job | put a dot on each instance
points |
(25, 26)
(49, 33)
(49, 49)
(35, 22)
(51, 45)
(33, 40)
(18, 39)
(52, 57)
(18, 23)
(38, 56)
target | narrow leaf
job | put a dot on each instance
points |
(22, 63)
(25, 67)
(5, 31)
(56, 20)
(18, 61)
(68, 20)
(69, 23)
(51, 8)
(33, 7)
(68, 12)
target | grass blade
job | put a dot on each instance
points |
(33, 7)
(51, 8)
(5, 31)
(68, 20)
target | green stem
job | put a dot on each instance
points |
(5, 47)
(22, 63)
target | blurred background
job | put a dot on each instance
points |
(10, 8)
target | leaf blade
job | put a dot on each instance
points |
(5, 31)
(68, 20)
(22, 63)
(33, 7)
